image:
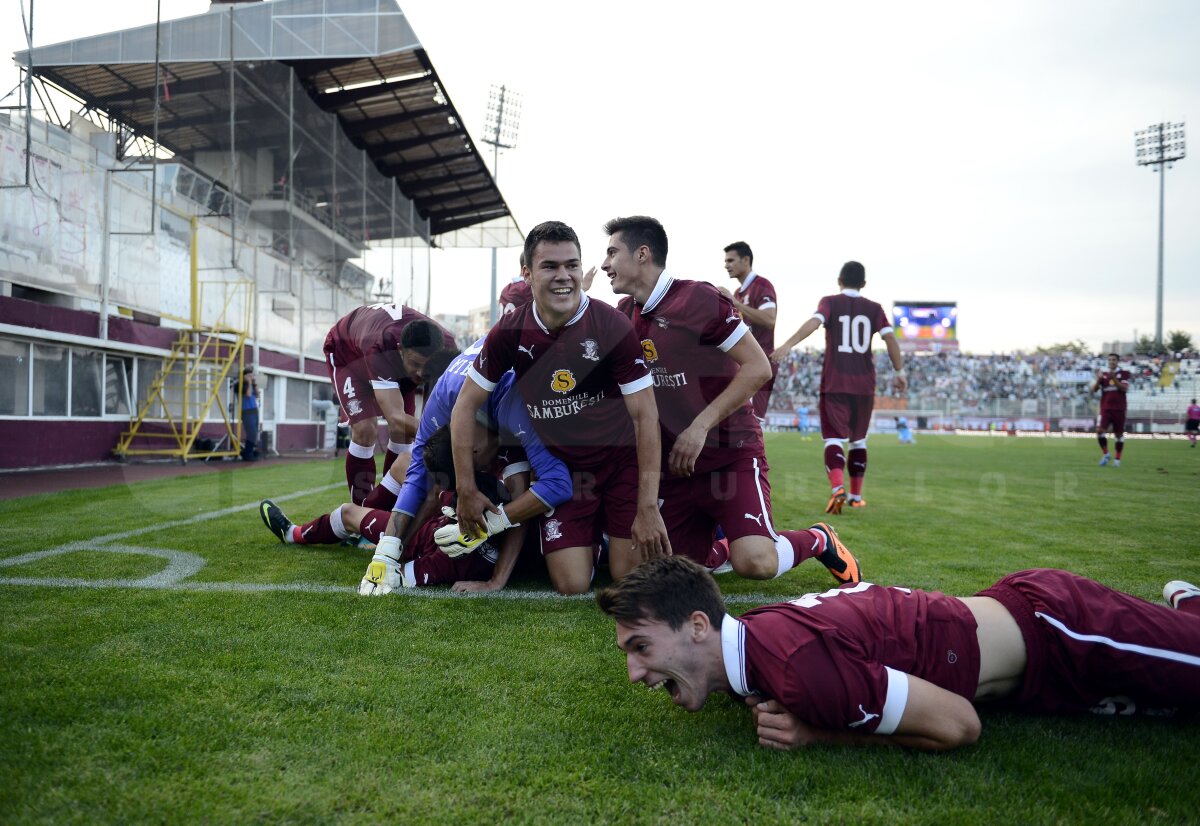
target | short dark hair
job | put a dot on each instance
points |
(436, 365)
(247, 369)
(422, 336)
(742, 249)
(667, 589)
(551, 231)
(1115, 355)
(853, 275)
(641, 231)
(438, 457)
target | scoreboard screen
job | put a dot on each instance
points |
(926, 325)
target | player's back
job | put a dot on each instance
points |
(850, 321)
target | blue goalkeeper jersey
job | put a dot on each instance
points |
(506, 412)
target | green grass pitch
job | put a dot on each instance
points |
(258, 687)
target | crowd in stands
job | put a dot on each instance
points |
(975, 379)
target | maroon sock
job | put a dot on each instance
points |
(835, 463)
(857, 460)
(360, 476)
(1191, 605)
(805, 544)
(380, 498)
(318, 532)
(374, 524)
(1120, 447)
(389, 459)
(1103, 443)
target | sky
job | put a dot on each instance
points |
(981, 153)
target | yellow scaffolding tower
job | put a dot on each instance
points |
(183, 394)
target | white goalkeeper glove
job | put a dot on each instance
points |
(384, 573)
(454, 542)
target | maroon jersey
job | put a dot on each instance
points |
(850, 320)
(571, 379)
(839, 660)
(515, 294)
(686, 329)
(1112, 397)
(759, 293)
(373, 333)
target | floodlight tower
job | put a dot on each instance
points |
(1160, 146)
(500, 130)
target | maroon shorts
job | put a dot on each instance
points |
(432, 567)
(352, 385)
(1091, 648)
(845, 416)
(1111, 418)
(603, 500)
(737, 497)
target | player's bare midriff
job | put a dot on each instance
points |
(1001, 648)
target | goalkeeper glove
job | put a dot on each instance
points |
(454, 542)
(385, 573)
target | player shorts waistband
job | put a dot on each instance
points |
(1022, 611)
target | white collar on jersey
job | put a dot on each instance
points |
(746, 284)
(660, 289)
(851, 293)
(733, 652)
(583, 303)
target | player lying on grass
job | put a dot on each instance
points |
(502, 474)
(867, 664)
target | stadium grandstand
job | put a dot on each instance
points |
(201, 209)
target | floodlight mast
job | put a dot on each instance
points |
(1160, 146)
(500, 130)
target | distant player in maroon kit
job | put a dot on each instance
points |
(848, 378)
(867, 664)
(375, 355)
(1192, 426)
(706, 367)
(579, 368)
(1113, 384)
(755, 300)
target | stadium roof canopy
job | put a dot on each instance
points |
(342, 87)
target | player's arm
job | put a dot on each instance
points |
(402, 428)
(934, 719)
(1122, 384)
(754, 315)
(471, 503)
(806, 329)
(893, 350)
(754, 370)
(510, 545)
(649, 533)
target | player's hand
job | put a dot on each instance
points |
(649, 534)
(778, 728)
(779, 354)
(725, 292)
(472, 506)
(682, 461)
(901, 383)
(588, 277)
(384, 573)
(454, 541)
(467, 586)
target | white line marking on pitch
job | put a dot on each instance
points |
(182, 565)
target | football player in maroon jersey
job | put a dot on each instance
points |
(581, 372)
(1113, 384)
(706, 366)
(866, 664)
(756, 302)
(375, 356)
(848, 378)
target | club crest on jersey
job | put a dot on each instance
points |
(649, 350)
(553, 530)
(591, 350)
(563, 381)
(354, 407)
